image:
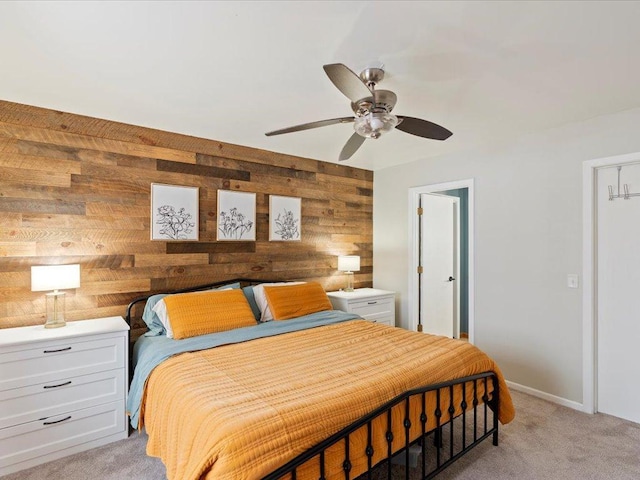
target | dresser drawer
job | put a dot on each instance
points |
(64, 394)
(373, 307)
(381, 318)
(53, 434)
(41, 362)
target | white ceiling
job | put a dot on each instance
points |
(230, 71)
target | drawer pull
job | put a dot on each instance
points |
(57, 421)
(372, 303)
(59, 385)
(59, 350)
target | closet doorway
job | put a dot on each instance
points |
(618, 283)
(431, 307)
(439, 267)
(612, 281)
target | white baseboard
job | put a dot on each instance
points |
(547, 396)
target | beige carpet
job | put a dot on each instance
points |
(545, 441)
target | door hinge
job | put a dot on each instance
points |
(419, 269)
(419, 210)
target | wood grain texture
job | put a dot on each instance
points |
(75, 189)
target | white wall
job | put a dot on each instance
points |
(528, 237)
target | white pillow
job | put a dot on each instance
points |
(261, 298)
(161, 310)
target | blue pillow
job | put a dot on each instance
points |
(153, 321)
(151, 318)
(251, 298)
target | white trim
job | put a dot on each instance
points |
(546, 396)
(414, 196)
(456, 328)
(589, 293)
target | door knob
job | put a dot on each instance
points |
(451, 279)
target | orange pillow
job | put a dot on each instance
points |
(296, 300)
(208, 312)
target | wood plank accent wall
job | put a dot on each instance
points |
(75, 189)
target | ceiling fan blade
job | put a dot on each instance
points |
(422, 128)
(351, 146)
(347, 82)
(307, 126)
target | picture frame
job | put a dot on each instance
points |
(285, 219)
(174, 212)
(236, 216)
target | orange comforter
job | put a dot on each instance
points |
(240, 411)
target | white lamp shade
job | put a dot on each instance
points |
(349, 263)
(54, 277)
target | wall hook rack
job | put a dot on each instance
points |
(626, 195)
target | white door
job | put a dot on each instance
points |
(618, 294)
(439, 247)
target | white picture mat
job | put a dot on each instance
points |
(236, 216)
(174, 212)
(285, 218)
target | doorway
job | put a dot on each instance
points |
(464, 282)
(610, 303)
(439, 268)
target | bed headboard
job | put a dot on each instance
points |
(244, 282)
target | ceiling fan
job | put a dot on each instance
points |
(372, 109)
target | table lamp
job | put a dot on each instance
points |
(349, 264)
(56, 278)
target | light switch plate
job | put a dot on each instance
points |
(572, 280)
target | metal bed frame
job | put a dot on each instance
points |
(450, 440)
(479, 424)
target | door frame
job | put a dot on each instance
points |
(589, 275)
(414, 255)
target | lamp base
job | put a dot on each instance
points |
(349, 287)
(55, 310)
(52, 324)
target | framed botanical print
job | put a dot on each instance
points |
(174, 212)
(236, 216)
(285, 214)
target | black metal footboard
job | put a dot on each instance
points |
(452, 418)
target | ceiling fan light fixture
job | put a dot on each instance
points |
(372, 109)
(374, 124)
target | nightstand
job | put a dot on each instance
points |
(62, 391)
(370, 303)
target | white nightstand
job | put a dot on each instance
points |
(62, 390)
(370, 303)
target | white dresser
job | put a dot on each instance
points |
(370, 303)
(62, 390)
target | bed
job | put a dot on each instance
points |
(301, 391)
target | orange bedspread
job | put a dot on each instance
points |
(240, 411)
